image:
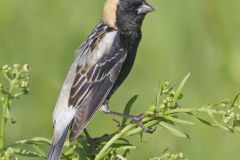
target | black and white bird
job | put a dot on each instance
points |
(101, 64)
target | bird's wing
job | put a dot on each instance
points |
(91, 87)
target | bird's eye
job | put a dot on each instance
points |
(130, 7)
(133, 5)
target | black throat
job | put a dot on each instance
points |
(130, 41)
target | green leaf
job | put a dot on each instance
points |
(156, 158)
(180, 87)
(218, 123)
(179, 121)
(165, 150)
(27, 153)
(39, 150)
(126, 147)
(35, 140)
(206, 122)
(70, 151)
(236, 100)
(120, 157)
(173, 130)
(127, 109)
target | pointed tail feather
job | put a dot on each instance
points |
(57, 145)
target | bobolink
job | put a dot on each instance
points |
(101, 64)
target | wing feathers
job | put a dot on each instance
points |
(96, 96)
(86, 111)
(99, 64)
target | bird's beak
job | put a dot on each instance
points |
(145, 8)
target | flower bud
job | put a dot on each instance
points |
(15, 82)
(223, 104)
(162, 106)
(165, 87)
(172, 93)
(169, 104)
(167, 155)
(16, 66)
(26, 68)
(152, 108)
(237, 117)
(148, 113)
(24, 84)
(6, 68)
(10, 150)
(176, 156)
(180, 155)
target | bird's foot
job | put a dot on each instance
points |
(137, 119)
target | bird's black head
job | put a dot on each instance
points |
(126, 15)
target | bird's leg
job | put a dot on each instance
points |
(94, 141)
(91, 141)
(136, 118)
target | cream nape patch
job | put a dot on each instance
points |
(109, 12)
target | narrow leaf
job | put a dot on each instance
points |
(27, 153)
(207, 122)
(120, 157)
(126, 147)
(35, 140)
(218, 123)
(179, 121)
(165, 150)
(173, 130)
(127, 109)
(156, 158)
(180, 87)
(39, 150)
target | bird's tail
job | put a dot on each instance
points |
(57, 145)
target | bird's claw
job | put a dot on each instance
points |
(138, 117)
(138, 120)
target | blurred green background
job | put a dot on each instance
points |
(197, 36)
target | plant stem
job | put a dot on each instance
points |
(150, 121)
(3, 121)
(179, 110)
(4, 118)
(212, 111)
(192, 110)
(101, 154)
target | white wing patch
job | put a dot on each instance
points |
(102, 48)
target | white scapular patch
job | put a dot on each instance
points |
(103, 47)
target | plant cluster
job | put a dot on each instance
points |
(166, 112)
(17, 78)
